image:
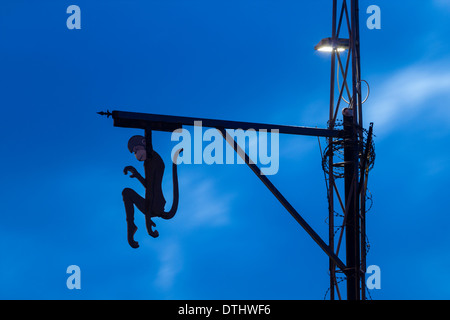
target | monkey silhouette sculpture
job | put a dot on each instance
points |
(153, 203)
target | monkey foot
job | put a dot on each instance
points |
(154, 234)
(131, 231)
(133, 244)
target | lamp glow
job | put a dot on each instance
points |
(328, 45)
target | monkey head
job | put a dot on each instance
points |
(136, 144)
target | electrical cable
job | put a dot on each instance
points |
(339, 88)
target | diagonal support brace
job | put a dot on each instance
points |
(282, 200)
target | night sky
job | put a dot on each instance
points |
(247, 60)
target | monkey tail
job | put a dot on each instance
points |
(173, 210)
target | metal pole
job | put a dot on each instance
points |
(362, 193)
(332, 265)
(352, 217)
(354, 253)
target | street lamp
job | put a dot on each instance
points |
(330, 44)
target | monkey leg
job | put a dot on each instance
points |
(130, 199)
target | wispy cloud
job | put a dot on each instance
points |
(442, 3)
(170, 260)
(408, 93)
(203, 204)
(208, 205)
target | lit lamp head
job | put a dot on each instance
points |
(330, 44)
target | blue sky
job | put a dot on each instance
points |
(245, 60)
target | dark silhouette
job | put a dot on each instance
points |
(154, 202)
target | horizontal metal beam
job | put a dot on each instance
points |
(159, 122)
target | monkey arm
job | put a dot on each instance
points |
(135, 174)
(141, 179)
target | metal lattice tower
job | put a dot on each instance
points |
(347, 200)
